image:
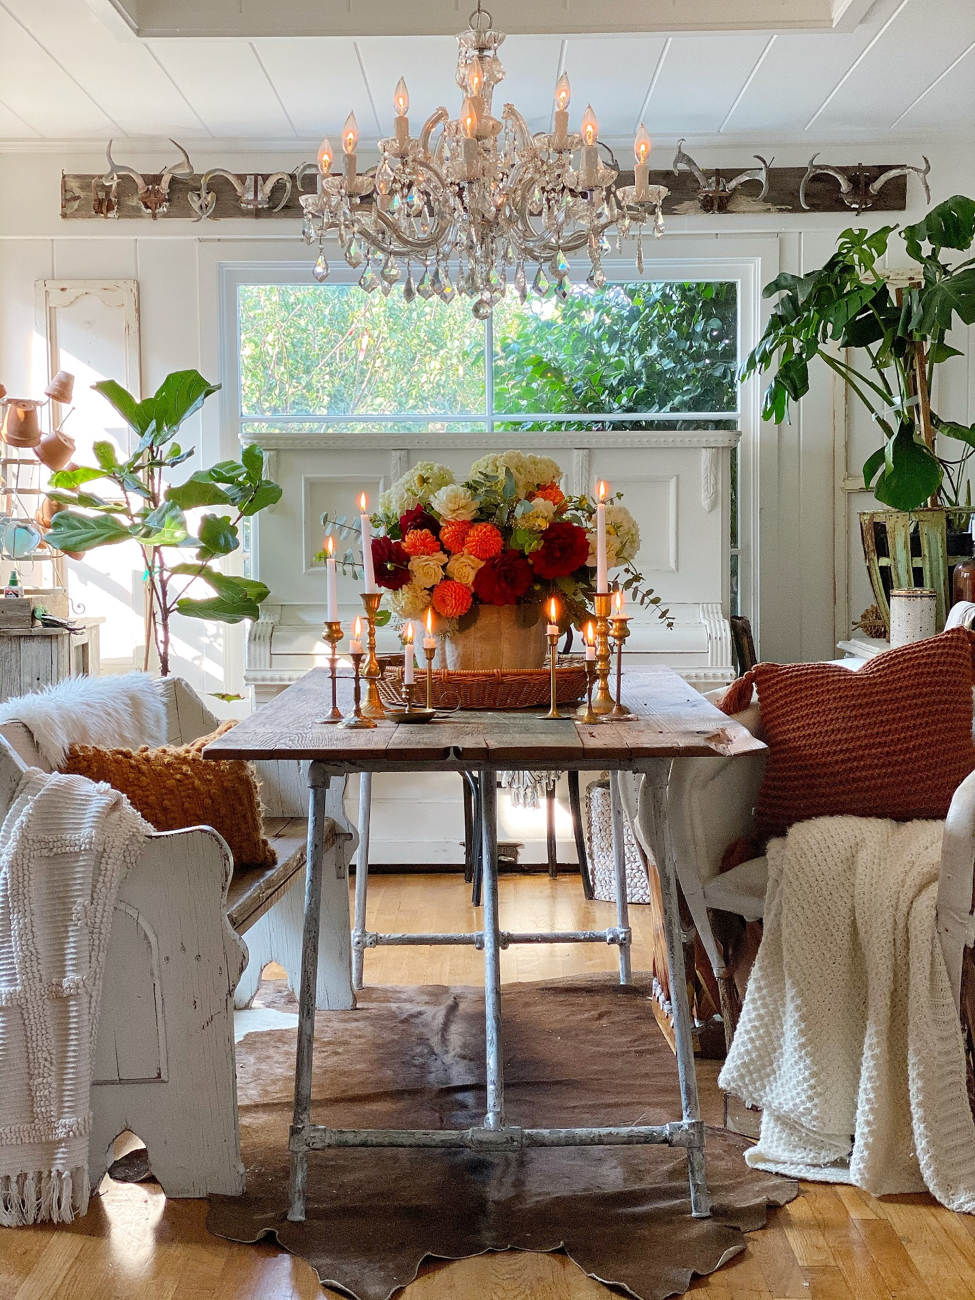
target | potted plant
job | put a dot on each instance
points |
(884, 333)
(139, 503)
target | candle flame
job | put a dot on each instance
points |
(641, 145)
(363, 503)
(430, 621)
(601, 490)
(563, 93)
(330, 545)
(618, 601)
(590, 127)
(590, 634)
(357, 629)
(350, 134)
(408, 634)
(325, 156)
(553, 610)
(401, 98)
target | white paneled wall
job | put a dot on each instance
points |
(794, 476)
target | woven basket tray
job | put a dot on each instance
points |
(525, 689)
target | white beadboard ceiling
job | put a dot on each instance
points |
(76, 71)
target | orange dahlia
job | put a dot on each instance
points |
(453, 535)
(452, 599)
(420, 541)
(484, 541)
(549, 492)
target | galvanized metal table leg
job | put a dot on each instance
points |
(492, 950)
(318, 789)
(361, 879)
(619, 874)
(656, 791)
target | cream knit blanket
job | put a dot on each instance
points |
(66, 844)
(849, 1039)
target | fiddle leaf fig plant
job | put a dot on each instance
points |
(884, 333)
(137, 501)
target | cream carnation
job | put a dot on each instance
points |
(462, 568)
(622, 537)
(415, 487)
(427, 570)
(454, 502)
(409, 602)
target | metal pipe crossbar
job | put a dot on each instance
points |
(318, 1137)
(475, 938)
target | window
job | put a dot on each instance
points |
(650, 354)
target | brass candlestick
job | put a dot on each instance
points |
(585, 712)
(333, 635)
(371, 672)
(620, 631)
(603, 702)
(355, 721)
(430, 652)
(553, 657)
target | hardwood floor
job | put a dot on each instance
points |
(832, 1243)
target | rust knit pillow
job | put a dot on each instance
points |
(893, 739)
(174, 787)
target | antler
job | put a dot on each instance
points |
(115, 171)
(269, 185)
(846, 185)
(921, 173)
(184, 168)
(753, 174)
(684, 163)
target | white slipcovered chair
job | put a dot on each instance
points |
(711, 806)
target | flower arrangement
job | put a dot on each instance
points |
(506, 535)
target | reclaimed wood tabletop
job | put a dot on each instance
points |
(673, 720)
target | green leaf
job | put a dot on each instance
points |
(266, 494)
(911, 473)
(71, 532)
(105, 455)
(225, 584)
(138, 415)
(950, 224)
(937, 303)
(252, 459)
(218, 536)
(164, 526)
(962, 432)
(198, 490)
(872, 465)
(219, 608)
(383, 617)
(179, 396)
(73, 478)
(940, 351)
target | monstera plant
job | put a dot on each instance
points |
(884, 333)
(134, 499)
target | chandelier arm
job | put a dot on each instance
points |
(437, 118)
(409, 244)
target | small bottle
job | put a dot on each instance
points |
(963, 576)
(13, 587)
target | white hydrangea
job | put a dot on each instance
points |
(415, 487)
(535, 515)
(427, 570)
(410, 601)
(529, 471)
(453, 502)
(622, 537)
(462, 568)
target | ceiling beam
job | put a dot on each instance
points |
(363, 18)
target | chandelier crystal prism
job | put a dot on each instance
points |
(480, 197)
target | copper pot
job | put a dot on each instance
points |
(61, 387)
(21, 427)
(47, 510)
(55, 450)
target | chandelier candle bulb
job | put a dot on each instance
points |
(563, 93)
(602, 568)
(641, 172)
(401, 102)
(350, 138)
(325, 156)
(590, 156)
(330, 590)
(368, 572)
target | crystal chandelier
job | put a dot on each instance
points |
(480, 193)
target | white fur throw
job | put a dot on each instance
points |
(849, 1038)
(113, 712)
(66, 845)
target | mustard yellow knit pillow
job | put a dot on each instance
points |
(174, 787)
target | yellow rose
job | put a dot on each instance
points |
(463, 567)
(427, 570)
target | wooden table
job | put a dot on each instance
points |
(673, 721)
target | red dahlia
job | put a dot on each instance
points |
(504, 579)
(418, 517)
(564, 548)
(391, 563)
